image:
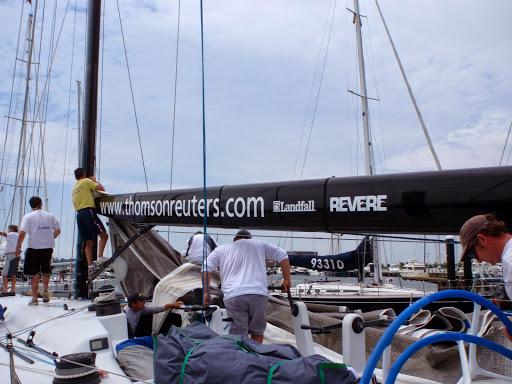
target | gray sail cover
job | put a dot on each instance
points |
(196, 354)
(147, 261)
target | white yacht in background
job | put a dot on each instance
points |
(413, 269)
(363, 296)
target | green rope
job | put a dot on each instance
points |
(271, 372)
(240, 344)
(183, 366)
(185, 336)
(155, 345)
(327, 365)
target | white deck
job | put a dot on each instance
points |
(62, 331)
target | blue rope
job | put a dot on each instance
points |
(205, 211)
(411, 350)
(387, 337)
(31, 356)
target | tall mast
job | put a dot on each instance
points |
(91, 87)
(377, 273)
(362, 84)
(79, 92)
(88, 150)
(22, 153)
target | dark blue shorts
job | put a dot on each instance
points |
(89, 224)
(38, 260)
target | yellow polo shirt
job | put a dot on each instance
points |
(83, 194)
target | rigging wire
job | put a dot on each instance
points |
(205, 237)
(46, 95)
(347, 236)
(70, 92)
(46, 86)
(425, 131)
(92, 367)
(318, 94)
(308, 107)
(311, 92)
(505, 145)
(12, 91)
(174, 102)
(319, 88)
(22, 149)
(133, 98)
(39, 168)
(175, 91)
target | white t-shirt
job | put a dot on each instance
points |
(11, 242)
(506, 265)
(242, 266)
(193, 251)
(40, 227)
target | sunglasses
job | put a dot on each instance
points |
(472, 251)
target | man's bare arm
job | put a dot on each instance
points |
(285, 267)
(205, 277)
(21, 237)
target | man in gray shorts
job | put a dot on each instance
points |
(11, 260)
(243, 276)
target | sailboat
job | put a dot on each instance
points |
(423, 202)
(250, 206)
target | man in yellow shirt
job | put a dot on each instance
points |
(88, 222)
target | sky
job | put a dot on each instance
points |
(276, 73)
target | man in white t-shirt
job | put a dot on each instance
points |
(42, 228)
(193, 251)
(11, 261)
(485, 238)
(243, 276)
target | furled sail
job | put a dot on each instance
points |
(342, 262)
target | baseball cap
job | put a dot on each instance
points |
(244, 234)
(468, 233)
(136, 296)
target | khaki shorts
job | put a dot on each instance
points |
(248, 314)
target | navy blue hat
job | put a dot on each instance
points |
(244, 234)
(136, 296)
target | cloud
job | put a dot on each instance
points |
(260, 61)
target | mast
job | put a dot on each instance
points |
(377, 274)
(91, 87)
(22, 153)
(88, 150)
(362, 84)
(79, 85)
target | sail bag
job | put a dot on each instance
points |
(196, 354)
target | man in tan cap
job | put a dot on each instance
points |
(486, 238)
